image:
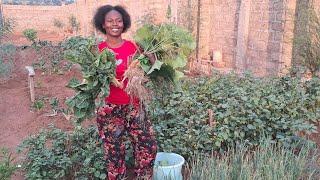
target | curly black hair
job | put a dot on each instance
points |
(99, 17)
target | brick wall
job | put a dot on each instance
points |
(41, 18)
(37, 17)
(258, 36)
(278, 26)
(223, 29)
(251, 35)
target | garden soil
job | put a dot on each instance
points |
(17, 117)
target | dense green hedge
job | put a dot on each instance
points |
(244, 109)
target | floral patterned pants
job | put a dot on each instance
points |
(114, 122)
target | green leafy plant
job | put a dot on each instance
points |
(97, 70)
(8, 49)
(162, 54)
(171, 45)
(56, 154)
(54, 103)
(5, 68)
(243, 108)
(38, 104)
(56, 57)
(49, 57)
(7, 52)
(31, 35)
(7, 166)
(41, 64)
(67, 66)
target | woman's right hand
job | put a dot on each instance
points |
(117, 83)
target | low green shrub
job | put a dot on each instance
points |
(38, 104)
(7, 166)
(7, 52)
(56, 154)
(50, 57)
(5, 68)
(243, 108)
(313, 93)
(31, 35)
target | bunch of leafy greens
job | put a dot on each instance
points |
(97, 70)
(171, 45)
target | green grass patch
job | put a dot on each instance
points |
(266, 161)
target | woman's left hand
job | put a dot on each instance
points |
(151, 56)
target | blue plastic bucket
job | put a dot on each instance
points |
(168, 166)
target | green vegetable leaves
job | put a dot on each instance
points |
(57, 154)
(170, 44)
(156, 66)
(244, 108)
(97, 70)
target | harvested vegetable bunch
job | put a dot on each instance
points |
(98, 70)
(170, 45)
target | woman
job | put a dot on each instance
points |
(120, 117)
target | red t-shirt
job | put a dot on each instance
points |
(123, 55)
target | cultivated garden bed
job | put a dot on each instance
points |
(225, 126)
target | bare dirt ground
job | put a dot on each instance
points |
(18, 120)
(17, 117)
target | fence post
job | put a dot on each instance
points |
(31, 75)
